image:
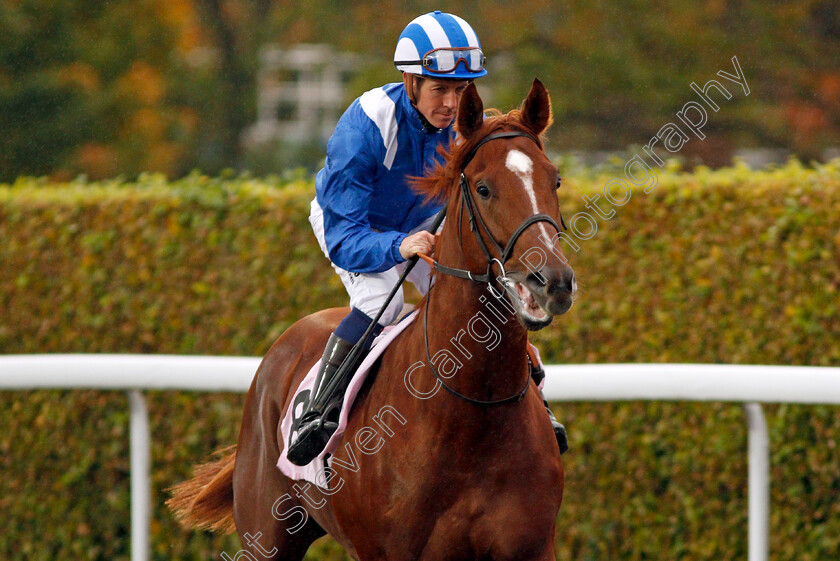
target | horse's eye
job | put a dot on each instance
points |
(559, 180)
(483, 191)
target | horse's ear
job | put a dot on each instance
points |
(536, 109)
(470, 112)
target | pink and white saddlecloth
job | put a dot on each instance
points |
(314, 470)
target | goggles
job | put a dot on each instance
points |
(446, 59)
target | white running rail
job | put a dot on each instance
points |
(749, 385)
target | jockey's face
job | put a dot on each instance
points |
(438, 100)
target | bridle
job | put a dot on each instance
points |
(476, 220)
(468, 203)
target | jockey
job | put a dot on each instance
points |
(367, 219)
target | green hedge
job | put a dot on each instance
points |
(730, 266)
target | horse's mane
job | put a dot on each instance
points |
(438, 183)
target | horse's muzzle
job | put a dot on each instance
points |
(558, 292)
(542, 295)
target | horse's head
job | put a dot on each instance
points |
(506, 208)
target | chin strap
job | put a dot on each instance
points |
(409, 90)
(427, 126)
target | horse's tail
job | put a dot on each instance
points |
(206, 500)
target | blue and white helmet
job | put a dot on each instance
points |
(440, 45)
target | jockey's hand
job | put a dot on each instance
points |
(418, 242)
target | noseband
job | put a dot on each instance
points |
(504, 255)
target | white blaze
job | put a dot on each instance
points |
(522, 166)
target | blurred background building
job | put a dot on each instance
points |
(300, 93)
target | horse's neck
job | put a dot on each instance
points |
(467, 325)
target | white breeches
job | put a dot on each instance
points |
(368, 291)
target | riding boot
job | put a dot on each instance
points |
(538, 374)
(320, 420)
(559, 429)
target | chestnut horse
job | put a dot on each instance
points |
(470, 472)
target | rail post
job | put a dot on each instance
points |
(759, 482)
(140, 480)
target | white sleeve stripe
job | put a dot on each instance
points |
(382, 111)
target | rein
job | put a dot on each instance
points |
(456, 393)
(504, 255)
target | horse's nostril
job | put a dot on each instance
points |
(536, 279)
(565, 283)
(553, 283)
